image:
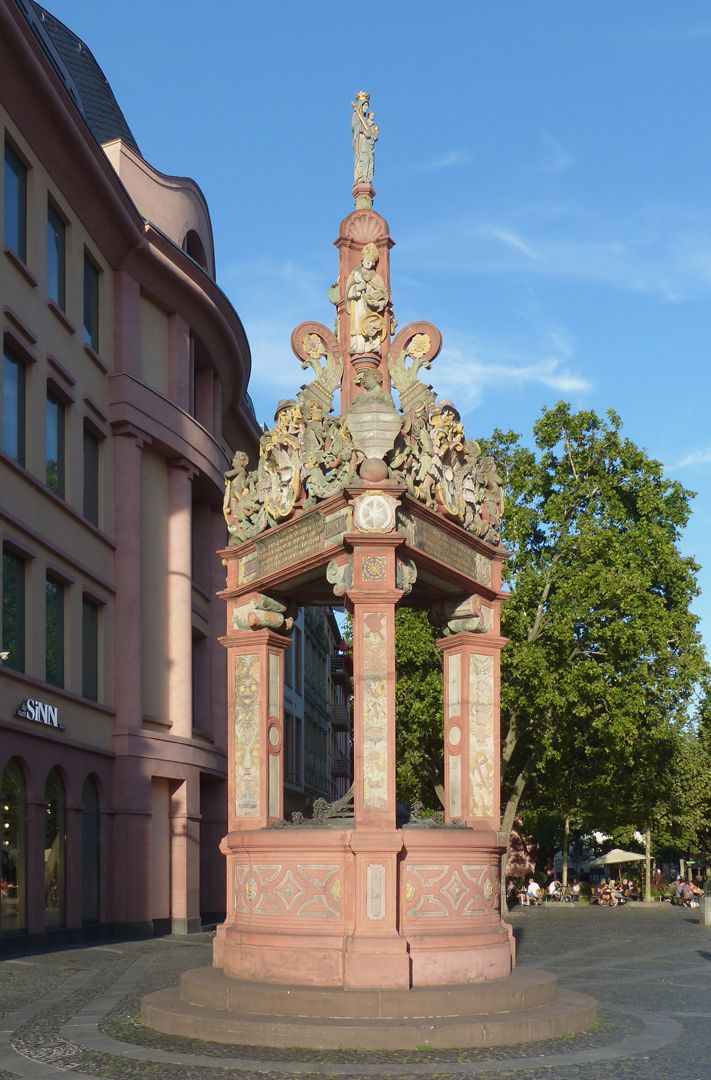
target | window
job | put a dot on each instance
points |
(13, 848)
(55, 850)
(54, 632)
(13, 406)
(292, 748)
(13, 609)
(298, 661)
(91, 303)
(54, 443)
(56, 257)
(15, 203)
(91, 475)
(90, 649)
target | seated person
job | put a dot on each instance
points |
(607, 897)
(555, 890)
(534, 892)
(686, 896)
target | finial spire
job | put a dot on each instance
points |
(365, 136)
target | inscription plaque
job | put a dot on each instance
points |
(299, 540)
(447, 549)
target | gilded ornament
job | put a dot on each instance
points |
(419, 346)
(313, 346)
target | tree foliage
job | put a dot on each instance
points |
(419, 709)
(604, 657)
(604, 660)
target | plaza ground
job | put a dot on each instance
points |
(74, 1010)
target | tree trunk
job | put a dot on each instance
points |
(510, 816)
(566, 842)
(648, 867)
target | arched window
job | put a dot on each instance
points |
(55, 851)
(193, 245)
(13, 849)
(90, 852)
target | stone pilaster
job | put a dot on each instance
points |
(179, 633)
(376, 956)
(472, 728)
(255, 675)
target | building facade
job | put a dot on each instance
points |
(122, 400)
(317, 712)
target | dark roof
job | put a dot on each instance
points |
(101, 110)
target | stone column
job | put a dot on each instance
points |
(131, 846)
(376, 955)
(185, 857)
(179, 622)
(36, 817)
(472, 728)
(74, 869)
(127, 691)
(255, 678)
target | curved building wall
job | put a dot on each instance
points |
(121, 402)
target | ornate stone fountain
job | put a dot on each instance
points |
(357, 932)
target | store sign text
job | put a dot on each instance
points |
(40, 712)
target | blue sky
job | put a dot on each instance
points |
(545, 170)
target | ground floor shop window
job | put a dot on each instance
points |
(90, 853)
(13, 827)
(55, 849)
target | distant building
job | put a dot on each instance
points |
(122, 400)
(317, 722)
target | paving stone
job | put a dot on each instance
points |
(650, 968)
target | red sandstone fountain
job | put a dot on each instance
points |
(352, 931)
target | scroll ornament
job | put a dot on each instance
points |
(306, 457)
(263, 612)
(462, 616)
(438, 464)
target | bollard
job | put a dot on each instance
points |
(705, 910)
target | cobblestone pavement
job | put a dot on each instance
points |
(75, 1010)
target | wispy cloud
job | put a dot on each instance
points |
(664, 250)
(471, 367)
(450, 160)
(556, 158)
(510, 239)
(694, 457)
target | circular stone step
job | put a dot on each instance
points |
(565, 1013)
(210, 988)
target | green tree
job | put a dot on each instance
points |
(604, 656)
(418, 709)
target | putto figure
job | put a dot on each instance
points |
(365, 136)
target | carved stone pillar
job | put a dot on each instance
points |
(255, 681)
(472, 728)
(376, 956)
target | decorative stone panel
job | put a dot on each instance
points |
(449, 890)
(299, 890)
